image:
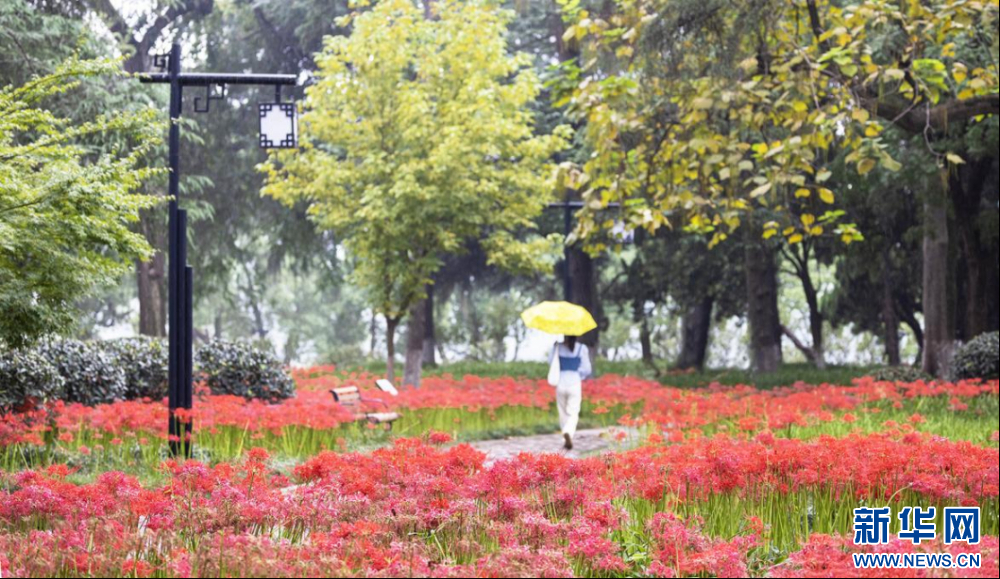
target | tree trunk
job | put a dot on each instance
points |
(373, 335)
(430, 334)
(292, 347)
(645, 335)
(646, 343)
(583, 279)
(696, 327)
(762, 305)
(255, 300)
(390, 345)
(993, 293)
(815, 319)
(799, 256)
(967, 185)
(415, 345)
(470, 315)
(909, 317)
(890, 320)
(938, 334)
(152, 302)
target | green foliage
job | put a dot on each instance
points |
(978, 359)
(90, 375)
(417, 138)
(242, 369)
(34, 41)
(700, 112)
(144, 361)
(26, 381)
(65, 210)
(906, 374)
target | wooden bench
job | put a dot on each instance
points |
(350, 398)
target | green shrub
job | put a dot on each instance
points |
(241, 369)
(144, 361)
(91, 375)
(977, 359)
(26, 381)
(906, 374)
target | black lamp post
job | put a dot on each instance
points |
(278, 130)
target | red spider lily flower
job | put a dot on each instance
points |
(60, 471)
(849, 419)
(183, 415)
(766, 438)
(995, 437)
(258, 455)
(601, 410)
(439, 438)
(137, 569)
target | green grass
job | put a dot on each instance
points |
(791, 516)
(786, 376)
(972, 425)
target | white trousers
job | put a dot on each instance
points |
(569, 397)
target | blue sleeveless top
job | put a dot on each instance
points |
(569, 364)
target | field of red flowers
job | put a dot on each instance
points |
(726, 482)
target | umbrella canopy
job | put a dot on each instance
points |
(559, 318)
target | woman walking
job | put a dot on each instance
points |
(569, 367)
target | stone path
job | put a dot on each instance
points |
(586, 443)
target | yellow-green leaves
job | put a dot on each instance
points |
(417, 139)
(704, 133)
(66, 207)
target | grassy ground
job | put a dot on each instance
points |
(787, 376)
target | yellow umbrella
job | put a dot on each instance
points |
(559, 318)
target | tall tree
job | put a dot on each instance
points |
(745, 117)
(65, 211)
(139, 37)
(246, 242)
(416, 139)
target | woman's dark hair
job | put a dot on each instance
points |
(571, 342)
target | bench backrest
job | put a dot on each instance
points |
(347, 396)
(386, 387)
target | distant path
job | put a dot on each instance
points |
(586, 443)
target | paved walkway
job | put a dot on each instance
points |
(586, 443)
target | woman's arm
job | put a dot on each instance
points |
(586, 368)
